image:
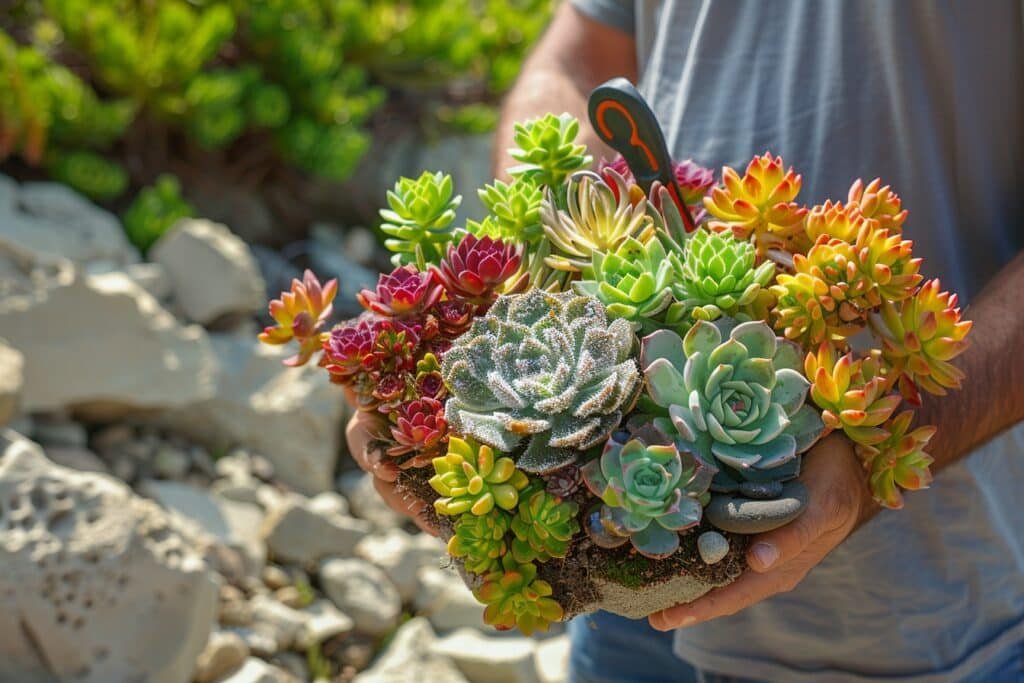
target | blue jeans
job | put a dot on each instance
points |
(610, 649)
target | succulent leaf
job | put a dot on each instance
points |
(898, 462)
(470, 479)
(300, 314)
(419, 220)
(480, 540)
(544, 526)
(546, 150)
(516, 598)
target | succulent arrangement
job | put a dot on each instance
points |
(578, 379)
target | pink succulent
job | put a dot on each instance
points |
(420, 427)
(693, 179)
(299, 314)
(403, 292)
(475, 268)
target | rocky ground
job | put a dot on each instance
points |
(175, 505)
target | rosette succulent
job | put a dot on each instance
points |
(898, 462)
(632, 282)
(545, 367)
(419, 220)
(514, 212)
(546, 150)
(716, 275)
(878, 202)
(737, 403)
(836, 221)
(471, 479)
(403, 292)
(544, 525)
(475, 268)
(649, 492)
(419, 428)
(516, 598)
(809, 311)
(692, 178)
(480, 540)
(299, 314)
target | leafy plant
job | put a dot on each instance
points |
(419, 222)
(471, 479)
(546, 150)
(480, 540)
(154, 210)
(543, 526)
(516, 598)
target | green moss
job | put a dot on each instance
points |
(630, 572)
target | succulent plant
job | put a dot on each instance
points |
(514, 212)
(878, 202)
(886, 260)
(405, 291)
(594, 221)
(692, 178)
(516, 598)
(836, 221)
(898, 462)
(470, 479)
(649, 492)
(546, 150)
(543, 525)
(373, 356)
(808, 311)
(920, 336)
(632, 282)
(851, 292)
(480, 540)
(429, 383)
(716, 275)
(852, 394)
(759, 205)
(473, 269)
(738, 402)
(419, 428)
(299, 314)
(419, 222)
(545, 366)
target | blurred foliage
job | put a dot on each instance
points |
(154, 210)
(92, 86)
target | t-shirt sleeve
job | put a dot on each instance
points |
(616, 13)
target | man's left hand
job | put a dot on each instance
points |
(838, 502)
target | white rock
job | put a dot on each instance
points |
(97, 584)
(81, 459)
(490, 659)
(11, 364)
(236, 525)
(151, 277)
(329, 503)
(552, 659)
(366, 503)
(363, 592)
(225, 652)
(712, 547)
(292, 416)
(259, 639)
(102, 341)
(325, 621)
(401, 555)
(281, 620)
(52, 219)
(410, 659)
(243, 492)
(446, 601)
(296, 532)
(256, 671)
(212, 271)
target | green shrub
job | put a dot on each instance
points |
(154, 211)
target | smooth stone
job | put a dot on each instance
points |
(761, 490)
(712, 547)
(748, 516)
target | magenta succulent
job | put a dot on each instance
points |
(693, 179)
(419, 428)
(475, 268)
(403, 292)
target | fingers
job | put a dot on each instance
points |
(358, 434)
(406, 504)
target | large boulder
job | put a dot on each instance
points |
(291, 416)
(11, 362)
(101, 342)
(212, 271)
(52, 219)
(97, 584)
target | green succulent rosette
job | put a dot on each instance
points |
(480, 540)
(737, 402)
(543, 526)
(419, 219)
(546, 150)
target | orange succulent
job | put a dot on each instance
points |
(299, 314)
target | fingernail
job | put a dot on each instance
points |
(766, 554)
(687, 621)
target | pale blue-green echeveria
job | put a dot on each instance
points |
(738, 403)
(544, 367)
(649, 494)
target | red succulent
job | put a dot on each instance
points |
(419, 428)
(453, 317)
(693, 179)
(401, 293)
(475, 268)
(370, 346)
(299, 314)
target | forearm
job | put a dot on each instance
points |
(992, 397)
(575, 54)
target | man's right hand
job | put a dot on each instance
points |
(358, 434)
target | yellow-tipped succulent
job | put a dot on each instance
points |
(887, 262)
(470, 479)
(898, 462)
(515, 597)
(878, 202)
(299, 314)
(809, 312)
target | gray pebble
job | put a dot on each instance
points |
(761, 490)
(748, 516)
(712, 547)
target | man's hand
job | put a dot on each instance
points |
(779, 559)
(359, 433)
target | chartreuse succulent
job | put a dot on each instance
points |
(898, 462)
(419, 222)
(543, 526)
(546, 150)
(548, 369)
(514, 212)
(735, 402)
(633, 282)
(471, 479)
(717, 275)
(480, 540)
(649, 493)
(516, 598)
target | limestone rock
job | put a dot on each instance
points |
(151, 277)
(295, 531)
(292, 416)
(411, 659)
(225, 652)
(324, 621)
(11, 363)
(366, 503)
(280, 620)
(490, 659)
(256, 671)
(363, 592)
(98, 584)
(52, 219)
(212, 271)
(101, 342)
(445, 600)
(401, 555)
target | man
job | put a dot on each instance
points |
(930, 96)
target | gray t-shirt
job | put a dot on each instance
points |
(928, 95)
